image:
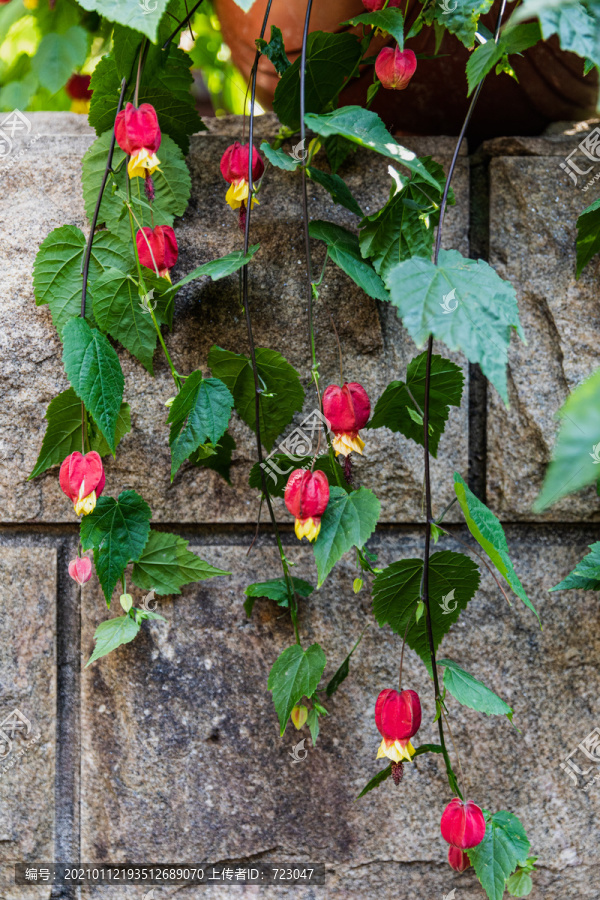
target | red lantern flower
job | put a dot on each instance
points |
(458, 859)
(78, 89)
(398, 718)
(80, 569)
(234, 169)
(157, 248)
(82, 480)
(306, 497)
(138, 133)
(463, 824)
(347, 410)
(395, 67)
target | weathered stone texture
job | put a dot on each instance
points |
(376, 348)
(27, 684)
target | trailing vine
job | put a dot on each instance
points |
(115, 287)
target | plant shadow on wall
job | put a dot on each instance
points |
(116, 287)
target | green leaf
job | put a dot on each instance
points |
(471, 692)
(282, 394)
(118, 309)
(397, 590)
(172, 185)
(338, 149)
(117, 530)
(94, 370)
(276, 590)
(366, 129)
(514, 39)
(278, 467)
(279, 158)
(588, 235)
(338, 189)
(462, 302)
(576, 452)
(489, 534)
(275, 50)
(376, 781)
(504, 845)
(344, 250)
(98, 442)
(58, 56)
(295, 674)
(219, 459)
(136, 15)
(342, 673)
(200, 412)
(219, 268)
(63, 432)
(349, 521)
(395, 406)
(586, 574)
(404, 227)
(111, 634)
(390, 20)
(57, 278)
(330, 60)
(519, 884)
(166, 565)
(577, 25)
(313, 724)
(461, 17)
(165, 83)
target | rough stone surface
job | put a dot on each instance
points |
(27, 684)
(533, 215)
(181, 731)
(376, 348)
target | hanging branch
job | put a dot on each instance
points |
(183, 24)
(428, 503)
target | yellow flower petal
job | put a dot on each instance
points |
(307, 528)
(396, 750)
(346, 443)
(80, 106)
(141, 163)
(85, 505)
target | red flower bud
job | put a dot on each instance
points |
(463, 824)
(306, 497)
(375, 5)
(234, 169)
(78, 87)
(395, 67)
(82, 479)
(138, 133)
(398, 718)
(347, 409)
(458, 859)
(157, 248)
(80, 569)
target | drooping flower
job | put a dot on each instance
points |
(78, 89)
(138, 133)
(234, 169)
(395, 67)
(398, 718)
(347, 409)
(458, 859)
(306, 497)
(157, 248)
(462, 824)
(80, 569)
(82, 479)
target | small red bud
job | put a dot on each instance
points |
(78, 87)
(458, 859)
(462, 824)
(395, 67)
(80, 569)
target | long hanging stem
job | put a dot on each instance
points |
(257, 386)
(309, 273)
(428, 503)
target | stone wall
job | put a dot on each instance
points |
(169, 749)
